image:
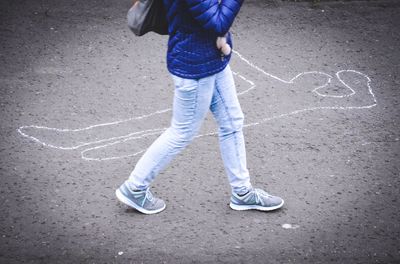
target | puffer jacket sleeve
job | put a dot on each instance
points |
(214, 16)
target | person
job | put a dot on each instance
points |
(203, 80)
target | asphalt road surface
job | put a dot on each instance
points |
(82, 97)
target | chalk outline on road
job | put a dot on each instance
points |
(149, 132)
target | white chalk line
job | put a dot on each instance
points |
(83, 144)
(144, 133)
(291, 81)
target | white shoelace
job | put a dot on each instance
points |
(148, 196)
(259, 193)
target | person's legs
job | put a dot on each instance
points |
(229, 116)
(192, 99)
(191, 103)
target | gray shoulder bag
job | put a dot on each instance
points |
(148, 15)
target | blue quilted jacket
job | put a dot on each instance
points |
(193, 27)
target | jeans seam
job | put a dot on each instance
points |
(230, 120)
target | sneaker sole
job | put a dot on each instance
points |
(255, 207)
(122, 198)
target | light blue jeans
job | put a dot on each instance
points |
(192, 100)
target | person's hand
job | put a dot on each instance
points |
(223, 46)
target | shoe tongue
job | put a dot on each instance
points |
(262, 192)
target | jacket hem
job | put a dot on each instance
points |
(186, 75)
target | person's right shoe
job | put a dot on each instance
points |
(256, 199)
(143, 201)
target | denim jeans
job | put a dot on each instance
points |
(192, 100)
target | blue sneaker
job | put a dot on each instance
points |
(256, 199)
(143, 201)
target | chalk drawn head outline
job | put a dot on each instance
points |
(329, 101)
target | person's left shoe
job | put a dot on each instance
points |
(256, 199)
(142, 200)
